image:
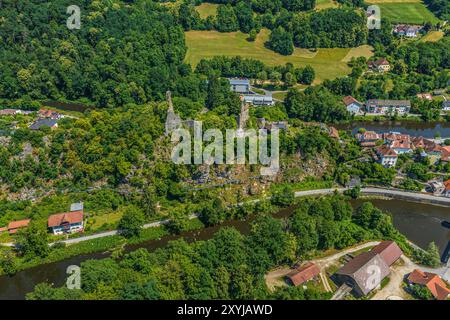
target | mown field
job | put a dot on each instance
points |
(328, 63)
(207, 9)
(326, 4)
(399, 11)
(432, 36)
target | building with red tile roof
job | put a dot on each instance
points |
(380, 65)
(388, 156)
(353, 106)
(432, 281)
(303, 274)
(447, 188)
(14, 226)
(67, 222)
(368, 138)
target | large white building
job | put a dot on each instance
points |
(258, 100)
(240, 85)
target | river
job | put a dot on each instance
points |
(67, 106)
(413, 128)
(419, 222)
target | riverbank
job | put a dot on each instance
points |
(428, 129)
(24, 281)
(111, 240)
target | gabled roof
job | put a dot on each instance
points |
(401, 144)
(432, 281)
(349, 100)
(14, 225)
(389, 251)
(389, 103)
(235, 81)
(304, 273)
(59, 219)
(361, 269)
(386, 151)
(381, 62)
(368, 135)
(447, 185)
(43, 122)
(19, 224)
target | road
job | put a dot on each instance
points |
(412, 196)
(406, 195)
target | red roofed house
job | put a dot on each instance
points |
(68, 222)
(432, 281)
(380, 65)
(14, 226)
(353, 105)
(446, 192)
(303, 274)
(388, 157)
(368, 138)
(445, 154)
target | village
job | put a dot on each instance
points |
(387, 148)
(374, 270)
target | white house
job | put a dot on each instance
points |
(240, 85)
(68, 222)
(446, 105)
(410, 31)
(388, 106)
(258, 100)
(388, 157)
(353, 105)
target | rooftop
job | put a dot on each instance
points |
(432, 281)
(389, 103)
(59, 219)
(304, 273)
(236, 81)
(43, 122)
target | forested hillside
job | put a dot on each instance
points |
(123, 53)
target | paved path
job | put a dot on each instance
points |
(411, 196)
(115, 232)
(398, 194)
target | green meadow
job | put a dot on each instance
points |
(328, 63)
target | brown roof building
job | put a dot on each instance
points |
(432, 281)
(304, 273)
(67, 222)
(389, 251)
(366, 271)
(14, 226)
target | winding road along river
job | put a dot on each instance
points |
(419, 222)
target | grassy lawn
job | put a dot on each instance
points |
(111, 218)
(432, 36)
(328, 63)
(207, 9)
(280, 95)
(406, 12)
(394, 1)
(326, 4)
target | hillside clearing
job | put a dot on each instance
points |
(326, 4)
(329, 63)
(207, 9)
(406, 12)
(432, 36)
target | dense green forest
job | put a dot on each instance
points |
(123, 53)
(231, 265)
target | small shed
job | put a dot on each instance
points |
(303, 274)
